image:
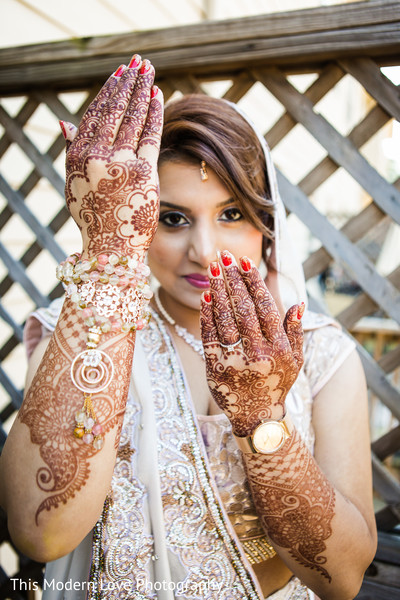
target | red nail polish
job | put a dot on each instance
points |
(300, 310)
(226, 258)
(207, 297)
(135, 62)
(119, 71)
(154, 91)
(214, 268)
(246, 264)
(63, 130)
(145, 67)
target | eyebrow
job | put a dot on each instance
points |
(184, 208)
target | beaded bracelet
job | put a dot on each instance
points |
(112, 294)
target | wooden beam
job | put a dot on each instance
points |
(18, 274)
(21, 118)
(341, 249)
(328, 78)
(58, 145)
(391, 360)
(376, 378)
(52, 101)
(388, 548)
(361, 133)
(379, 383)
(44, 236)
(363, 305)
(42, 163)
(340, 148)
(7, 384)
(240, 86)
(296, 37)
(52, 153)
(18, 330)
(186, 84)
(387, 519)
(386, 484)
(388, 444)
(268, 26)
(372, 590)
(366, 72)
(354, 229)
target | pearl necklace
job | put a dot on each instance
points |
(193, 342)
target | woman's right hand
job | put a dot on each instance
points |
(111, 187)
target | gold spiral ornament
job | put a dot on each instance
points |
(92, 371)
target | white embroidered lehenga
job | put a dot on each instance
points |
(179, 522)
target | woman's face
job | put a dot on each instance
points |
(197, 218)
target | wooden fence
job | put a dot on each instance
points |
(251, 56)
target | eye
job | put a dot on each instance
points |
(173, 218)
(231, 214)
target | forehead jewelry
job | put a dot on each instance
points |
(203, 171)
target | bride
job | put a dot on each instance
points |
(165, 452)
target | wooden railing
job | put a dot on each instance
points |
(249, 59)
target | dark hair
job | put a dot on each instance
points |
(198, 127)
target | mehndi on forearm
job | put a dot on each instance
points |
(52, 402)
(295, 502)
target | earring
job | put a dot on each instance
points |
(263, 269)
(203, 171)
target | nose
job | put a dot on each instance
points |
(202, 245)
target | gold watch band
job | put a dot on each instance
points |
(268, 437)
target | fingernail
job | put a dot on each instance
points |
(63, 130)
(214, 269)
(226, 258)
(119, 71)
(207, 296)
(135, 61)
(245, 264)
(300, 310)
(145, 67)
(154, 91)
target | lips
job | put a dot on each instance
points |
(198, 281)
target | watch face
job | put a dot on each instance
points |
(269, 437)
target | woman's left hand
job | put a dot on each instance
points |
(251, 380)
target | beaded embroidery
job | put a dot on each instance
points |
(122, 542)
(192, 490)
(196, 526)
(195, 523)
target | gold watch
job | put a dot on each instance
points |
(268, 437)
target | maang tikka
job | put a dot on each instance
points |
(203, 171)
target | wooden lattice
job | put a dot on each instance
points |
(249, 61)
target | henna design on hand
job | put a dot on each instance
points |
(295, 501)
(51, 403)
(292, 496)
(111, 165)
(250, 383)
(112, 194)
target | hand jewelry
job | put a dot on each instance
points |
(112, 294)
(230, 347)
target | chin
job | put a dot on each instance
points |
(193, 301)
(189, 298)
